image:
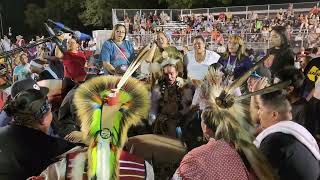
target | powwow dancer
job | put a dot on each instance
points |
(107, 106)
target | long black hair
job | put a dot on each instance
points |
(281, 30)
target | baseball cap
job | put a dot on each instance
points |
(27, 84)
(255, 74)
(29, 105)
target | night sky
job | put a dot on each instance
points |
(12, 12)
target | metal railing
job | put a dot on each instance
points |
(240, 11)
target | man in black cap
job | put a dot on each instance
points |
(26, 149)
(17, 87)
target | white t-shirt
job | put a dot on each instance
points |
(197, 70)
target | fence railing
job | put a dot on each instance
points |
(240, 11)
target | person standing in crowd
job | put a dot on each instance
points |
(26, 149)
(6, 44)
(54, 69)
(303, 111)
(280, 55)
(253, 78)
(73, 60)
(235, 61)
(117, 53)
(22, 71)
(197, 61)
(159, 52)
(42, 71)
(229, 153)
(20, 41)
(289, 147)
(294, 93)
(68, 122)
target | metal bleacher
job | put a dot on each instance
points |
(269, 10)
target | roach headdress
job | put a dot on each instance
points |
(107, 106)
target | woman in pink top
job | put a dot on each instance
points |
(228, 155)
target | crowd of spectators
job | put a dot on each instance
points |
(302, 28)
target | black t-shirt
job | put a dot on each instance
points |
(290, 158)
(299, 111)
(67, 118)
(283, 57)
(26, 152)
(313, 120)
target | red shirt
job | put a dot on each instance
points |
(74, 65)
(222, 16)
(315, 10)
(132, 167)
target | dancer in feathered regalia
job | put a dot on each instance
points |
(107, 106)
(106, 115)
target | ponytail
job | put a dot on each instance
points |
(227, 128)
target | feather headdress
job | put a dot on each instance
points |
(229, 116)
(107, 106)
